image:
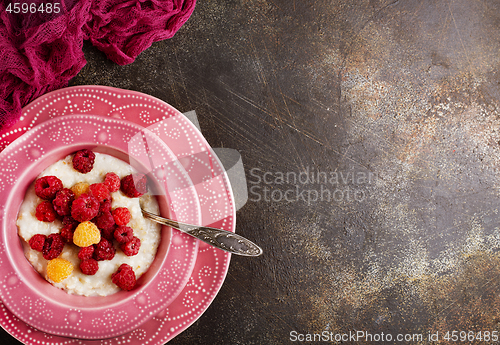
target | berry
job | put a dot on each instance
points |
(59, 269)
(105, 221)
(68, 220)
(36, 242)
(80, 188)
(46, 187)
(132, 247)
(121, 215)
(123, 234)
(86, 234)
(84, 208)
(108, 233)
(134, 185)
(124, 277)
(67, 232)
(45, 212)
(89, 267)
(112, 181)
(63, 200)
(83, 161)
(105, 206)
(99, 191)
(85, 253)
(68, 229)
(104, 250)
(53, 246)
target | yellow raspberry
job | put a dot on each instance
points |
(86, 234)
(80, 188)
(59, 269)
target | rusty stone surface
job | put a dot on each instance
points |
(392, 104)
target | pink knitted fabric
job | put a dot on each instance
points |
(41, 52)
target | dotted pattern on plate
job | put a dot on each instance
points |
(211, 185)
(100, 323)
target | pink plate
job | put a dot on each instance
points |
(203, 168)
(25, 293)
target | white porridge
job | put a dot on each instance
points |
(147, 231)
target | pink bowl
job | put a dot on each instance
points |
(35, 301)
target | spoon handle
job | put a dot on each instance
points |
(222, 239)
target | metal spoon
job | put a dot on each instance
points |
(222, 239)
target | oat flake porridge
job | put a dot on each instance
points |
(76, 282)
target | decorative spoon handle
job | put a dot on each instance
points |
(222, 239)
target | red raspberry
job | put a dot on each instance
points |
(134, 185)
(132, 247)
(45, 212)
(37, 241)
(70, 220)
(46, 187)
(84, 208)
(68, 229)
(123, 234)
(104, 250)
(67, 232)
(105, 206)
(121, 215)
(124, 277)
(63, 200)
(89, 267)
(86, 253)
(108, 233)
(99, 191)
(53, 246)
(112, 181)
(83, 161)
(105, 221)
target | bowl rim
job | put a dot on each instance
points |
(53, 295)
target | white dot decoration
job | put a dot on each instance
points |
(54, 113)
(3, 144)
(188, 301)
(144, 115)
(87, 106)
(12, 281)
(6, 180)
(67, 135)
(117, 114)
(176, 265)
(206, 271)
(55, 136)
(161, 315)
(142, 300)
(46, 140)
(34, 152)
(178, 240)
(139, 334)
(110, 320)
(184, 141)
(103, 136)
(77, 130)
(215, 212)
(174, 133)
(10, 166)
(73, 318)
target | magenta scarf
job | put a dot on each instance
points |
(42, 51)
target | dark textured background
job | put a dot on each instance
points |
(407, 91)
